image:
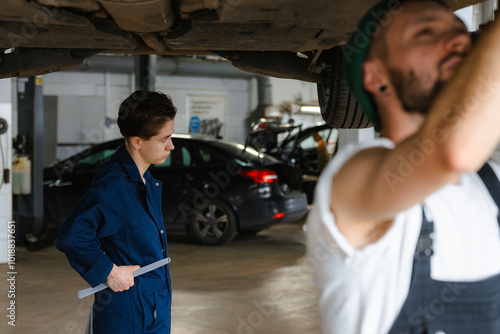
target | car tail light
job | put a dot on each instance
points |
(279, 215)
(260, 176)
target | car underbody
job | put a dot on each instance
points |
(281, 38)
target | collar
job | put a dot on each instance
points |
(128, 163)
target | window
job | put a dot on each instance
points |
(179, 157)
(186, 157)
(98, 158)
(167, 162)
(209, 157)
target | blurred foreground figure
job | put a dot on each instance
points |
(404, 233)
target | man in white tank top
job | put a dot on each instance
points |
(436, 103)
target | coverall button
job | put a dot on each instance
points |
(161, 231)
(157, 184)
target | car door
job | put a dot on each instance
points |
(190, 181)
(309, 149)
(177, 180)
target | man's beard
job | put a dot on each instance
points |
(411, 89)
(414, 97)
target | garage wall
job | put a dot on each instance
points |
(236, 93)
(5, 163)
(87, 103)
(293, 90)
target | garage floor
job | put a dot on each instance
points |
(255, 284)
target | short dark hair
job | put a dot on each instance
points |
(144, 113)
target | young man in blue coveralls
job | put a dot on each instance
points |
(404, 233)
(117, 227)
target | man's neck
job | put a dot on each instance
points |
(139, 162)
(397, 130)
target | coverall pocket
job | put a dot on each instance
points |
(107, 322)
(156, 311)
(148, 303)
(162, 322)
(143, 243)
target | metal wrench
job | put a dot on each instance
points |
(142, 270)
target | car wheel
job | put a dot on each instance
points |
(214, 224)
(339, 108)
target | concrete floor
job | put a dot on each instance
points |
(255, 284)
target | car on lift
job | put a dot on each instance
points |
(212, 189)
(293, 39)
(296, 147)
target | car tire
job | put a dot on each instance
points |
(339, 108)
(214, 224)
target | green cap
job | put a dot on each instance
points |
(355, 53)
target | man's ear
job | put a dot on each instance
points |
(373, 80)
(136, 142)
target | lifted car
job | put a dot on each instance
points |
(294, 39)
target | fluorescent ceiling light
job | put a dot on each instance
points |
(310, 109)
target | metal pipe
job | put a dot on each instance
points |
(37, 155)
(164, 66)
(264, 91)
(145, 72)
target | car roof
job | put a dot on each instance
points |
(204, 139)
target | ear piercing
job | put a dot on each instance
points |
(383, 88)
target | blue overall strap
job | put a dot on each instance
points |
(449, 306)
(425, 239)
(491, 182)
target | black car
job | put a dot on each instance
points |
(302, 150)
(212, 189)
(295, 146)
(301, 145)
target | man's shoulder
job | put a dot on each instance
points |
(111, 174)
(366, 144)
(347, 151)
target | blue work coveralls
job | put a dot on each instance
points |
(119, 220)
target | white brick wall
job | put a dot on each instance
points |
(236, 92)
(70, 85)
(5, 163)
(291, 90)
